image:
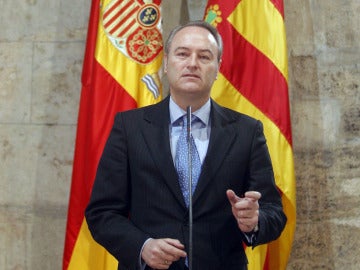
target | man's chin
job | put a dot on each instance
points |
(192, 91)
(192, 86)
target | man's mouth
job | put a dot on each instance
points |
(189, 75)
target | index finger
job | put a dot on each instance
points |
(254, 195)
(174, 248)
(174, 242)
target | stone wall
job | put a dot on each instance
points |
(41, 54)
(324, 66)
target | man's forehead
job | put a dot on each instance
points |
(193, 34)
(195, 30)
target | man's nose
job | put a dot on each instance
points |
(193, 61)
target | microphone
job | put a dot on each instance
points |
(190, 255)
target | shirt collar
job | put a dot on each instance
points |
(176, 112)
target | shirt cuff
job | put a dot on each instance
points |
(251, 236)
(141, 261)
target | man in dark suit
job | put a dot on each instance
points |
(139, 210)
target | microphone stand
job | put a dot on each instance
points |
(190, 255)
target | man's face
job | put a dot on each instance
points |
(191, 64)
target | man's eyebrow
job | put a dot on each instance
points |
(187, 49)
(181, 48)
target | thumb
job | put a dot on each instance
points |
(232, 197)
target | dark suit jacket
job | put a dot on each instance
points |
(136, 194)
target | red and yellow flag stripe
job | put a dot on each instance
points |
(253, 80)
(118, 75)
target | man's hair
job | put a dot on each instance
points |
(202, 24)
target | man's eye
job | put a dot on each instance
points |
(205, 57)
(181, 54)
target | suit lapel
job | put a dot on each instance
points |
(155, 130)
(222, 137)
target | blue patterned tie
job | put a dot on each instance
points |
(182, 163)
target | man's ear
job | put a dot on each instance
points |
(165, 63)
(218, 69)
(219, 64)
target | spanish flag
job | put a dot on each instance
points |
(121, 68)
(253, 79)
